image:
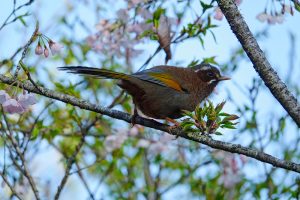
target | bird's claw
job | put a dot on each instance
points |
(173, 127)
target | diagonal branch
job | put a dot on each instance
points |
(70, 162)
(259, 60)
(14, 193)
(233, 148)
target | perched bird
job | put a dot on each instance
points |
(162, 92)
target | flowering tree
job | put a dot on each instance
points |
(250, 153)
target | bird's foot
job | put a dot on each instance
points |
(173, 127)
(134, 116)
(133, 120)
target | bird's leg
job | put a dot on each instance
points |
(133, 118)
(175, 125)
(173, 121)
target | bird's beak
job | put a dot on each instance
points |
(223, 78)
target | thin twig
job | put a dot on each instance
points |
(70, 162)
(14, 192)
(21, 156)
(84, 181)
(15, 9)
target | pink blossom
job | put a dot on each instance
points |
(262, 17)
(287, 9)
(230, 178)
(55, 47)
(103, 25)
(136, 1)
(142, 143)
(3, 96)
(136, 28)
(134, 131)
(238, 2)
(231, 168)
(46, 52)
(38, 49)
(113, 142)
(145, 13)
(123, 14)
(27, 100)
(243, 159)
(158, 147)
(218, 14)
(272, 19)
(279, 18)
(12, 106)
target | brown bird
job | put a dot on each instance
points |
(162, 92)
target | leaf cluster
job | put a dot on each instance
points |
(208, 119)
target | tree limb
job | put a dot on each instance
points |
(197, 137)
(259, 60)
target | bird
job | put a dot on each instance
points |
(162, 92)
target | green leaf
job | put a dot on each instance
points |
(218, 133)
(228, 126)
(20, 18)
(223, 114)
(297, 5)
(219, 107)
(35, 133)
(205, 6)
(156, 16)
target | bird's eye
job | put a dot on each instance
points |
(210, 74)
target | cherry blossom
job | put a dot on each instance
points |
(39, 49)
(19, 105)
(27, 100)
(287, 9)
(119, 38)
(218, 14)
(232, 174)
(46, 52)
(271, 19)
(262, 17)
(55, 47)
(113, 142)
(3, 96)
(143, 143)
(13, 106)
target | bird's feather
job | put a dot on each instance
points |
(160, 77)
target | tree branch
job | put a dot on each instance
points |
(70, 162)
(25, 169)
(14, 193)
(197, 137)
(259, 60)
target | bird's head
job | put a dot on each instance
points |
(209, 73)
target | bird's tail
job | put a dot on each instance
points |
(96, 72)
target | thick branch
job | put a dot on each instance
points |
(259, 60)
(233, 148)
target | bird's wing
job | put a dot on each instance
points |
(159, 76)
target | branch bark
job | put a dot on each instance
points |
(259, 60)
(233, 148)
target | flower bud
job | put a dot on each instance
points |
(39, 49)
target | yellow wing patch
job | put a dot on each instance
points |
(166, 80)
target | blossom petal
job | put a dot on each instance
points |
(26, 100)
(3, 96)
(12, 106)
